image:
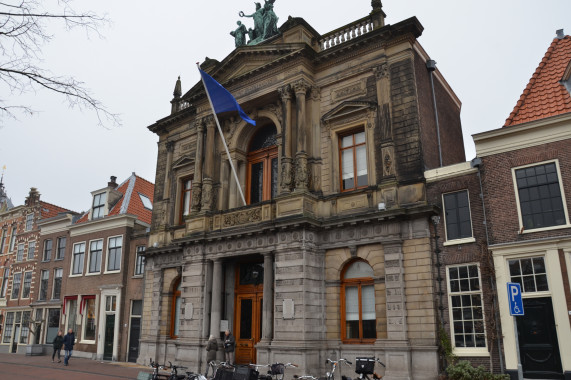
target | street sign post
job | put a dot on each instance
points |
(516, 309)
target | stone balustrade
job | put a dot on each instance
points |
(346, 33)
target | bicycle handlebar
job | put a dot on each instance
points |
(347, 362)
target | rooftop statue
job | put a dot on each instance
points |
(265, 23)
(239, 34)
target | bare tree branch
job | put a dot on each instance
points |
(23, 34)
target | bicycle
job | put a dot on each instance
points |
(174, 372)
(334, 365)
(220, 370)
(156, 368)
(366, 366)
(276, 371)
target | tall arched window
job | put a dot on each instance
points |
(175, 310)
(358, 316)
(263, 166)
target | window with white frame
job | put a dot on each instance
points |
(20, 252)
(89, 319)
(25, 330)
(530, 273)
(31, 249)
(60, 253)
(53, 316)
(140, 261)
(98, 206)
(27, 285)
(44, 281)
(3, 240)
(8, 327)
(540, 196)
(5, 278)
(111, 303)
(78, 258)
(47, 256)
(95, 250)
(457, 215)
(12, 239)
(466, 306)
(16, 283)
(29, 221)
(353, 157)
(58, 274)
(114, 253)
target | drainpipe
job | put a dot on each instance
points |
(477, 163)
(431, 66)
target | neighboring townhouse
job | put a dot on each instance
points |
(103, 270)
(332, 255)
(20, 236)
(526, 176)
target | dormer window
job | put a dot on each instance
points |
(98, 206)
(146, 202)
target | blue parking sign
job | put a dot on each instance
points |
(514, 298)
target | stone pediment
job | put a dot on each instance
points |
(183, 162)
(348, 109)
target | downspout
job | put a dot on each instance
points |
(476, 163)
(431, 66)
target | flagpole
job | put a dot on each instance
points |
(223, 139)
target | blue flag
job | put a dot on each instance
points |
(222, 100)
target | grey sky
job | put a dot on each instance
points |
(487, 51)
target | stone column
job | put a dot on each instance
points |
(207, 182)
(301, 173)
(267, 303)
(315, 143)
(286, 178)
(394, 284)
(216, 303)
(233, 189)
(167, 189)
(197, 183)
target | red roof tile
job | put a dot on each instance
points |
(49, 211)
(544, 96)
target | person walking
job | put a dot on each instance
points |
(68, 342)
(211, 350)
(229, 345)
(57, 343)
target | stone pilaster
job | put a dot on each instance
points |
(301, 172)
(286, 178)
(216, 303)
(197, 183)
(168, 173)
(394, 284)
(267, 302)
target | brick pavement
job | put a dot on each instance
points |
(41, 367)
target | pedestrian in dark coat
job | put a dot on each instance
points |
(229, 345)
(57, 343)
(68, 342)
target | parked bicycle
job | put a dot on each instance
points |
(366, 366)
(276, 371)
(334, 364)
(174, 372)
(156, 375)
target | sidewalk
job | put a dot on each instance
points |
(41, 367)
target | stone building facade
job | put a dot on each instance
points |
(331, 256)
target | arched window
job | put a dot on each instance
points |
(358, 316)
(175, 310)
(263, 166)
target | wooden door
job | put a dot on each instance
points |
(248, 326)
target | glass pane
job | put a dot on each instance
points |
(358, 269)
(90, 319)
(359, 138)
(514, 267)
(368, 301)
(347, 169)
(274, 178)
(246, 318)
(347, 141)
(137, 307)
(256, 182)
(351, 303)
(176, 315)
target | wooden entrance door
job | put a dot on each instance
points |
(248, 326)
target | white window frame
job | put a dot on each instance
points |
(29, 221)
(24, 285)
(536, 293)
(13, 239)
(43, 273)
(4, 282)
(88, 264)
(54, 283)
(31, 244)
(139, 250)
(67, 314)
(107, 254)
(58, 240)
(73, 257)
(48, 258)
(12, 297)
(20, 252)
(100, 206)
(466, 240)
(466, 351)
(563, 200)
(84, 320)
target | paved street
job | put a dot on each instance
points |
(15, 366)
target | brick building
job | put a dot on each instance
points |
(102, 267)
(332, 254)
(19, 256)
(526, 175)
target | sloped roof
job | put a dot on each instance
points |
(48, 210)
(130, 202)
(544, 95)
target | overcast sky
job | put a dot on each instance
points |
(486, 50)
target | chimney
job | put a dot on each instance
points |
(112, 183)
(560, 34)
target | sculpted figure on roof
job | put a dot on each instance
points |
(265, 22)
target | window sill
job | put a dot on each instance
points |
(459, 241)
(93, 273)
(76, 275)
(481, 352)
(543, 229)
(112, 271)
(86, 342)
(138, 276)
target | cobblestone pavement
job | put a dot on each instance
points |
(17, 366)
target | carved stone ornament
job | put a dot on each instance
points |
(286, 177)
(276, 110)
(196, 197)
(381, 71)
(301, 173)
(209, 121)
(207, 195)
(315, 93)
(170, 146)
(243, 217)
(301, 86)
(285, 92)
